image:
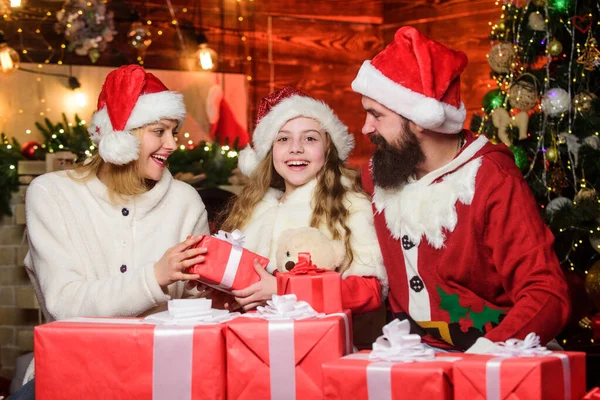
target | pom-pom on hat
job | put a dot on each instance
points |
(275, 110)
(130, 98)
(417, 78)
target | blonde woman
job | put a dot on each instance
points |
(298, 179)
(109, 238)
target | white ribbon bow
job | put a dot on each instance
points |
(529, 347)
(190, 311)
(236, 238)
(286, 307)
(398, 345)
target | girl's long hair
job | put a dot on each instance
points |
(334, 180)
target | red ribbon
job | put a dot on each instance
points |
(304, 266)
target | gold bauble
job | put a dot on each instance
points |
(522, 95)
(555, 47)
(582, 102)
(552, 154)
(539, 3)
(501, 56)
(585, 195)
(592, 284)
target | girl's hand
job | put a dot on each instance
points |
(170, 268)
(259, 292)
(220, 300)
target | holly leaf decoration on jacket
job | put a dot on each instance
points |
(450, 303)
(486, 315)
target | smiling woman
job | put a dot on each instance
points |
(114, 236)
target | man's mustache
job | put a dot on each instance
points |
(377, 139)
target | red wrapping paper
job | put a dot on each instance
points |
(526, 378)
(320, 288)
(81, 360)
(347, 378)
(315, 341)
(213, 268)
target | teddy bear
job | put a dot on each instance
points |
(324, 252)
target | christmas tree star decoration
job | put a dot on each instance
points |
(591, 56)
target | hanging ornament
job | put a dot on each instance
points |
(556, 102)
(590, 59)
(582, 102)
(28, 149)
(139, 36)
(539, 3)
(555, 47)
(556, 204)
(501, 57)
(501, 120)
(593, 141)
(521, 121)
(521, 158)
(585, 195)
(9, 58)
(536, 22)
(552, 154)
(592, 282)
(582, 23)
(523, 94)
(595, 242)
(492, 100)
(557, 179)
(573, 144)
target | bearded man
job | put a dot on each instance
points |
(469, 260)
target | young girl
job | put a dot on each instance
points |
(298, 179)
(109, 238)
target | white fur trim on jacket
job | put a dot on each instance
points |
(424, 111)
(120, 147)
(298, 106)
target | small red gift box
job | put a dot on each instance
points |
(320, 288)
(560, 375)
(356, 377)
(227, 264)
(281, 359)
(103, 358)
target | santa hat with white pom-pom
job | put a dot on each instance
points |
(417, 78)
(130, 98)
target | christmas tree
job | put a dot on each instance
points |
(545, 60)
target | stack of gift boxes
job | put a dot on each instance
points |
(297, 347)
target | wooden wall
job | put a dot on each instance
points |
(315, 45)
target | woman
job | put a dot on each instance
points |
(298, 179)
(108, 239)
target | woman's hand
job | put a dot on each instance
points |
(170, 268)
(220, 300)
(256, 294)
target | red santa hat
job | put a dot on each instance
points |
(417, 78)
(130, 98)
(275, 110)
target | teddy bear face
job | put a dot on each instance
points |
(325, 253)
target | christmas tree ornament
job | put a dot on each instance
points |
(523, 94)
(555, 102)
(592, 283)
(521, 121)
(595, 242)
(573, 144)
(521, 158)
(9, 58)
(139, 36)
(536, 22)
(501, 120)
(552, 154)
(590, 59)
(582, 23)
(585, 195)
(559, 6)
(582, 102)
(593, 141)
(492, 100)
(557, 179)
(28, 149)
(501, 57)
(539, 3)
(501, 25)
(557, 204)
(555, 47)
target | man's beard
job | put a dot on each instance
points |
(393, 165)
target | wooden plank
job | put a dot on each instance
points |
(356, 11)
(415, 11)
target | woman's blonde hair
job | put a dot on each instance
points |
(334, 180)
(122, 181)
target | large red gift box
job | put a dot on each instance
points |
(358, 378)
(320, 288)
(227, 264)
(121, 359)
(558, 376)
(282, 359)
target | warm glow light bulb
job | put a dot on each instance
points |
(15, 3)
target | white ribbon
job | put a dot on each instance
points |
(282, 360)
(398, 345)
(286, 307)
(529, 347)
(236, 238)
(172, 362)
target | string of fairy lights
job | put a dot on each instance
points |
(504, 81)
